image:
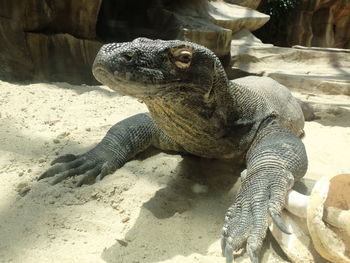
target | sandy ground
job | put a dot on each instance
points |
(157, 208)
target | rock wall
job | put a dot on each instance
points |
(77, 18)
(62, 57)
(305, 69)
(48, 39)
(15, 59)
(57, 40)
(321, 23)
(247, 3)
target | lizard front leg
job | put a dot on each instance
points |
(122, 142)
(276, 158)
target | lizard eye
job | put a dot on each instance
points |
(183, 60)
(182, 56)
(128, 56)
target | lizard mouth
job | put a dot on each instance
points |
(103, 76)
(122, 84)
(125, 83)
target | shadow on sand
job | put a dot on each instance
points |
(185, 217)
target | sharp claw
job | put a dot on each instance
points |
(81, 181)
(60, 178)
(229, 254)
(64, 159)
(62, 168)
(253, 257)
(278, 221)
(253, 249)
(89, 175)
(223, 245)
(51, 172)
(72, 171)
(105, 170)
(42, 176)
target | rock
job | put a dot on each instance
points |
(57, 40)
(15, 59)
(308, 110)
(77, 18)
(50, 63)
(199, 30)
(209, 23)
(322, 23)
(122, 242)
(125, 219)
(313, 70)
(247, 3)
(23, 189)
(236, 17)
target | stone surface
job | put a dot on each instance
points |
(210, 23)
(57, 40)
(236, 17)
(203, 32)
(303, 69)
(70, 59)
(33, 47)
(247, 3)
(322, 23)
(77, 18)
(14, 58)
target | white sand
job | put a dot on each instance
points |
(156, 209)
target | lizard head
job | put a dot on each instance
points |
(145, 68)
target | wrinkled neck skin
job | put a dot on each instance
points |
(193, 103)
(196, 117)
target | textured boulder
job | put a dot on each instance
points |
(77, 18)
(212, 23)
(247, 3)
(57, 40)
(319, 70)
(236, 17)
(62, 57)
(15, 59)
(321, 23)
(34, 47)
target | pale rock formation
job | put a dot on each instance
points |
(247, 3)
(58, 39)
(318, 70)
(321, 23)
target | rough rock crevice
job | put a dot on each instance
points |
(311, 70)
(57, 40)
(322, 23)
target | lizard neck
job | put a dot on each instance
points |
(224, 96)
(195, 111)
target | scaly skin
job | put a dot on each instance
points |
(195, 109)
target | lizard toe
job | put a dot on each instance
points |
(65, 158)
(61, 167)
(253, 248)
(236, 228)
(89, 176)
(106, 169)
(82, 168)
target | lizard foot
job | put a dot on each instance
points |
(246, 221)
(88, 166)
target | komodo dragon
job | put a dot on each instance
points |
(194, 108)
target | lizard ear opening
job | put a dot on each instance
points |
(209, 95)
(182, 56)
